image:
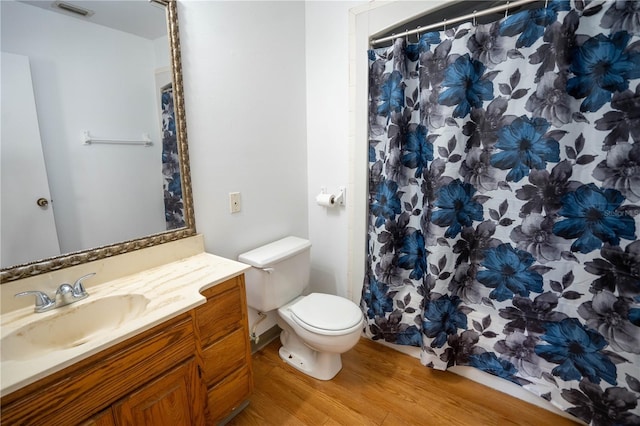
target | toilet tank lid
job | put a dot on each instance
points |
(274, 252)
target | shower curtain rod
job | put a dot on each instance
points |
(445, 22)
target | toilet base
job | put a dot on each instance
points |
(319, 365)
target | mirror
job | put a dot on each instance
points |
(92, 185)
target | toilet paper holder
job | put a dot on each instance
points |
(329, 199)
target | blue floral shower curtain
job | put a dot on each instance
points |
(504, 196)
(173, 204)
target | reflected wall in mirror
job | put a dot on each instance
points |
(114, 74)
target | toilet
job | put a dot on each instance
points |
(317, 328)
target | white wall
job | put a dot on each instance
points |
(327, 59)
(79, 84)
(244, 76)
(161, 52)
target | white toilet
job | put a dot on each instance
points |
(316, 328)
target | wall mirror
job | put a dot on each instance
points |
(92, 105)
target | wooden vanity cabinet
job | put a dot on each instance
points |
(86, 388)
(226, 352)
(194, 369)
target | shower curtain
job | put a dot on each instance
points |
(504, 192)
(173, 205)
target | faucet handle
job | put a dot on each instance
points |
(43, 301)
(64, 289)
(78, 288)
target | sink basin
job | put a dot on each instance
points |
(71, 326)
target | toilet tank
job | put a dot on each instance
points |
(280, 272)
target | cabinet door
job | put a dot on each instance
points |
(174, 399)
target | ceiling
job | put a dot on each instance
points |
(140, 17)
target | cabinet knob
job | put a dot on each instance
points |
(42, 202)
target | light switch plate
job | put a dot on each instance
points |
(234, 202)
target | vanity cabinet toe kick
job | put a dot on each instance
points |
(194, 369)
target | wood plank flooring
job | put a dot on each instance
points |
(378, 386)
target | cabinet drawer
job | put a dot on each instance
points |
(229, 394)
(223, 286)
(225, 356)
(223, 313)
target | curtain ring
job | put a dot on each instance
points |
(475, 23)
(506, 11)
(546, 3)
(418, 34)
(406, 37)
(444, 24)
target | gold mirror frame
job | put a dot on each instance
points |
(76, 258)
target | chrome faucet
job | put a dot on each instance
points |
(65, 295)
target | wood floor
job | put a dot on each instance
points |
(379, 386)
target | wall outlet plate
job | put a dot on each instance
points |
(234, 202)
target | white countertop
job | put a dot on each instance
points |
(173, 288)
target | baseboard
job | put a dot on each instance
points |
(265, 338)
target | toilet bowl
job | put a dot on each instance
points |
(316, 329)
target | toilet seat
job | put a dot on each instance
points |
(326, 314)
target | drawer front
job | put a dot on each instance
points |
(229, 394)
(223, 286)
(222, 314)
(225, 356)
